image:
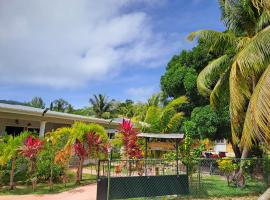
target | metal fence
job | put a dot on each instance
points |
(209, 179)
(206, 178)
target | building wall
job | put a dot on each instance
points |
(220, 146)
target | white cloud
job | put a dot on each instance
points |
(64, 43)
(140, 93)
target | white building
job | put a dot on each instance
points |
(16, 118)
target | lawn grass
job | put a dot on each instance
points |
(216, 186)
(44, 188)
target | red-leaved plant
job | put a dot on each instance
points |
(30, 150)
(81, 153)
(95, 145)
(130, 140)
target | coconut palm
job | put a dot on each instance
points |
(240, 73)
(60, 105)
(100, 104)
(10, 152)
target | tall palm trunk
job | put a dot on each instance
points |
(240, 173)
(11, 180)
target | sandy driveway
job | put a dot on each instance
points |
(81, 193)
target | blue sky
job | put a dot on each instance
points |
(74, 49)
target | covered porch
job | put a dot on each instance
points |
(16, 118)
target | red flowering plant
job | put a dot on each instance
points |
(130, 140)
(30, 149)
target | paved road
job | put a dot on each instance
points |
(81, 193)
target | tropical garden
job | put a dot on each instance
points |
(217, 90)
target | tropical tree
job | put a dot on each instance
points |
(126, 108)
(80, 136)
(60, 105)
(239, 76)
(206, 123)
(37, 102)
(165, 119)
(100, 104)
(181, 73)
(58, 152)
(10, 152)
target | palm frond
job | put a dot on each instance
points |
(262, 5)
(220, 94)
(243, 42)
(256, 126)
(177, 102)
(174, 123)
(238, 100)
(217, 41)
(211, 73)
(165, 118)
(239, 16)
(248, 66)
(263, 21)
(152, 117)
(254, 58)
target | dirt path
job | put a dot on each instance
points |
(81, 193)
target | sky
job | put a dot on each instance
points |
(73, 49)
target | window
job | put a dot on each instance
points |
(13, 130)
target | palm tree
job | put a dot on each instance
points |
(240, 74)
(166, 119)
(10, 152)
(60, 105)
(125, 109)
(100, 104)
(158, 99)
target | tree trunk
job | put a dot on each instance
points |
(32, 167)
(265, 195)
(243, 157)
(51, 177)
(236, 151)
(239, 176)
(11, 181)
(79, 171)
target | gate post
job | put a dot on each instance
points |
(109, 176)
(177, 157)
(266, 170)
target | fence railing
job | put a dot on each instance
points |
(207, 177)
(149, 167)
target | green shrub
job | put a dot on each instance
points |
(44, 165)
(227, 166)
(20, 174)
